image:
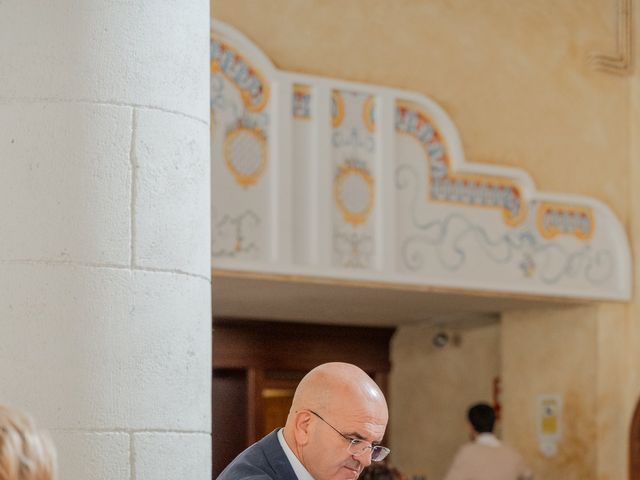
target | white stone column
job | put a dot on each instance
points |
(104, 232)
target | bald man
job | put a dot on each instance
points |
(334, 428)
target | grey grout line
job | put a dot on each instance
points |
(104, 265)
(132, 458)
(9, 101)
(134, 187)
(128, 431)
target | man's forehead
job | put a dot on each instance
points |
(369, 429)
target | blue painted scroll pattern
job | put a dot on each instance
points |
(450, 236)
(232, 236)
(353, 249)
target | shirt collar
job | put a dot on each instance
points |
(487, 439)
(299, 469)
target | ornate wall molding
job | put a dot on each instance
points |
(619, 63)
(345, 181)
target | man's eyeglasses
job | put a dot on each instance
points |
(357, 446)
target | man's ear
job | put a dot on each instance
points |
(302, 427)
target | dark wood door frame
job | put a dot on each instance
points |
(634, 445)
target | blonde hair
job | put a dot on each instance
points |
(25, 453)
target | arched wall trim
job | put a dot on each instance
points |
(322, 177)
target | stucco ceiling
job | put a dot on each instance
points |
(307, 299)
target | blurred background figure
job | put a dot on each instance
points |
(25, 452)
(486, 457)
(381, 471)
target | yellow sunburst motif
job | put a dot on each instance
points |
(245, 154)
(337, 112)
(368, 112)
(353, 191)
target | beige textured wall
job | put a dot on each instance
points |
(581, 354)
(615, 390)
(552, 352)
(431, 389)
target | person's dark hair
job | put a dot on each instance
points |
(482, 417)
(381, 471)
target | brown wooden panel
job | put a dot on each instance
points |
(276, 403)
(254, 406)
(293, 346)
(229, 417)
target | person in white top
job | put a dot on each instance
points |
(486, 457)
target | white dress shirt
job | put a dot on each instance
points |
(297, 466)
(487, 458)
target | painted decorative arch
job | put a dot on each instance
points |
(323, 177)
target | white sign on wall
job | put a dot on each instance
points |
(549, 423)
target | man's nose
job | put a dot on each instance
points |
(365, 457)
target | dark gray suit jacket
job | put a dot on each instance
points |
(263, 460)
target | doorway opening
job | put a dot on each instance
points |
(258, 364)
